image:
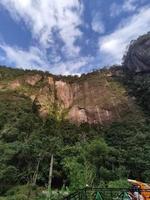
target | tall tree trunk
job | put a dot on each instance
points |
(50, 172)
(36, 172)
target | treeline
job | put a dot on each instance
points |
(92, 155)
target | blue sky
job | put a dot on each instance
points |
(69, 36)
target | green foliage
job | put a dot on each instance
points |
(93, 155)
(121, 183)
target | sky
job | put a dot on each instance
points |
(69, 36)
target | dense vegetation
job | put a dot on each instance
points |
(87, 154)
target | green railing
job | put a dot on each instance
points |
(100, 194)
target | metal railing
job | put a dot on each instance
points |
(102, 194)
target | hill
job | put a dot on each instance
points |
(96, 126)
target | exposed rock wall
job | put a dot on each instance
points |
(137, 58)
(92, 98)
(97, 98)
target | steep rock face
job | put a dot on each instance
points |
(77, 115)
(64, 93)
(98, 98)
(45, 97)
(137, 58)
(94, 98)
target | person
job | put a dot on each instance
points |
(136, 192)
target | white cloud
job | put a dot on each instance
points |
(113, 46)
(43, 16)
(130, 5)
(72, 67)
(97, 24)
(32, 59)
(35, 58)
(46, 18)
(127, 6)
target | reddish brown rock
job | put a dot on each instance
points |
(50, 80)
(77, 115)
(93, 98)
(64, 93)
(32, 80)
(14, 84)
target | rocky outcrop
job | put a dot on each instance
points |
(97, 97)
(137, 58)
(33, 79)
(44, 101)
(77, 115)
(92, 116)
(64, 93)
(15, 84)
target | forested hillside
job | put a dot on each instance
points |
(104, 153)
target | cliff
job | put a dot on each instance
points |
(97, 97)
(137, 58)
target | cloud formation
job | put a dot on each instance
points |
(32, 59)
(45, 19)
(97, 24)
(70, 37)
(128, 6)
(115, 44)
